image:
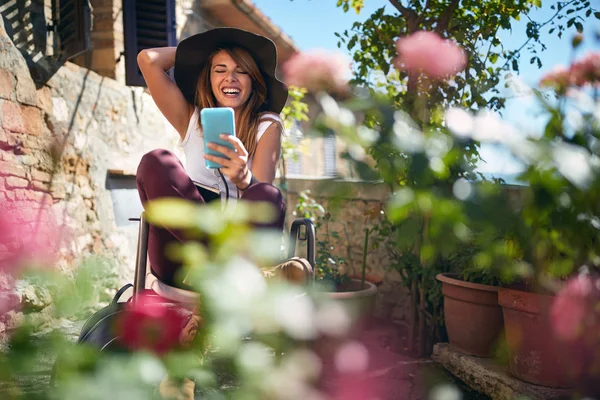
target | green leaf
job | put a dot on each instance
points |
(579, 27)
(171, 212)
(597, 14)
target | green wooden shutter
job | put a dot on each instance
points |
(72, 28)
(146, 24)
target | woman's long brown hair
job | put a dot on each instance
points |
(248, 119)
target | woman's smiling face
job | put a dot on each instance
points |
(230, 84)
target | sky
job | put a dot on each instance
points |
(312, 24)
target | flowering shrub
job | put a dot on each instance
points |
(583, 72)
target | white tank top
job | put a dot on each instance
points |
(193, 148)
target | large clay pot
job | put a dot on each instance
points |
(472, 315)
(535, 354)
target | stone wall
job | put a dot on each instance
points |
(89, 125)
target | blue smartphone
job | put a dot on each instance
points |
(217, 121)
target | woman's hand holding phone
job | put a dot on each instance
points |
(235, 162)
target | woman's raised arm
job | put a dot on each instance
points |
(168, 98)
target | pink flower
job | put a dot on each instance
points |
(558, 78)
(152, 324)
(318, 70)
(427, 52)
(587, 69)
(573, 308)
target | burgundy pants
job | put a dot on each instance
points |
(161, 174)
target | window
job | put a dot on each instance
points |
(329, 155)
(125, 197)
(146, 24)
(294, 164)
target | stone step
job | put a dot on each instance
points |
(485, 376)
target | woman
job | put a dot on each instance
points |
(223, 67)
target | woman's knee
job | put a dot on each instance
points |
(155, 158)
(152, 162)
(264, 192)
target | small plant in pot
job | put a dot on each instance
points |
(331, 270)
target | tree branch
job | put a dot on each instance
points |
(491, 43)
(422, 16)
(446, 17)
(540, 26)
(411, 16)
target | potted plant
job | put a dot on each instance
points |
(472, 315)
(332, 275)
(559, 231)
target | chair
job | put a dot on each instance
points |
(302, 229)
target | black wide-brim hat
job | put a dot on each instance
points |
(193, 52)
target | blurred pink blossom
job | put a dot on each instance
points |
(26, 236)
(427, 52)
(25, 242)
(558, 78)
(573, 308)
(587, 69)
(318, 70)
(9, 299)
(152, 324)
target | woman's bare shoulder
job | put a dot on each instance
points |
(270, 115)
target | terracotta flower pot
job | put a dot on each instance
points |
(472, 315)
(535, 354)
(353, 293)
(359, 301)
(377, 280)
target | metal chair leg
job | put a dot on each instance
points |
(139, 283)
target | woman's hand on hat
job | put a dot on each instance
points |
(235, 162)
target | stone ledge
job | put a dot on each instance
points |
(484, 376)
(347, 189)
